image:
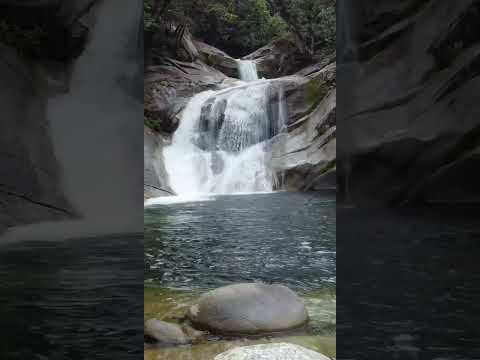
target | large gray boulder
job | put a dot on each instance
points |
(249, 309)
(217, 59)
(280, 351)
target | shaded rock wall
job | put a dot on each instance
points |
(409, 128)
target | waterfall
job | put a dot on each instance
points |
(247, 70)
(222, 143)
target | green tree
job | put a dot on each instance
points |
(313, 22)
(241, 26)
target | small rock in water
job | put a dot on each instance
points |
(249, 309)
(281, 351)
(165, 333)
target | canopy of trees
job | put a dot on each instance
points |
(241, 26)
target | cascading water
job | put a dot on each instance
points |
(221, 145)
(247, 70)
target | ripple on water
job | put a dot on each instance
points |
(282, 237)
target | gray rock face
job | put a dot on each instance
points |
(164, 333)
(155, 176)
(306, 156)
(167, 89)
(415, 82)
(217, 59)
(279, 58)
(249, 309)
(30, 185)
(280, 351)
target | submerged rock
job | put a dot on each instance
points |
(249, 309)
(165, 333)
(281, 351)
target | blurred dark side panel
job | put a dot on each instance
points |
(408, 220)
(71, 173)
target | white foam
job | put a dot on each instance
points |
(179, 199)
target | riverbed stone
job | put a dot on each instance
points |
(280, 351)
(165, 333)
(249, 309)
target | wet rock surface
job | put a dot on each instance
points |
(306, 156)
(155, 179)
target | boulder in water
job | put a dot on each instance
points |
(165, 333)
(281, 351)
(249, 309)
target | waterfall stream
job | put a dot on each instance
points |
(248, 70)
(222, 143)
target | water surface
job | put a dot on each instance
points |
(282, 237)
(409, 283)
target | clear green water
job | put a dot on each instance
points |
(281, 238)
(170, 305)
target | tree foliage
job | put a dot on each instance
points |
(241, 26)
(313, 22)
